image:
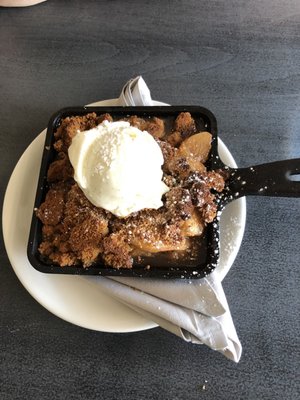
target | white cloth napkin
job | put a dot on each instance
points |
(195, 310)
(135, 93)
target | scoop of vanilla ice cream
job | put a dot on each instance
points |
(118, 167)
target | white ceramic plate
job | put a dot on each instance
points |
(70, 297)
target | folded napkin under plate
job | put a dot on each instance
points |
(195, 310)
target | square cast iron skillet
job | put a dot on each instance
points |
(272, 179)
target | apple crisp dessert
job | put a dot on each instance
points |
(76, 232)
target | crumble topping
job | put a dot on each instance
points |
(75, 232)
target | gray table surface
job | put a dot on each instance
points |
(240, 59)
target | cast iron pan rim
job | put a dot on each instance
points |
(160, 272)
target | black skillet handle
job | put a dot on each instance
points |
(277, 178)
